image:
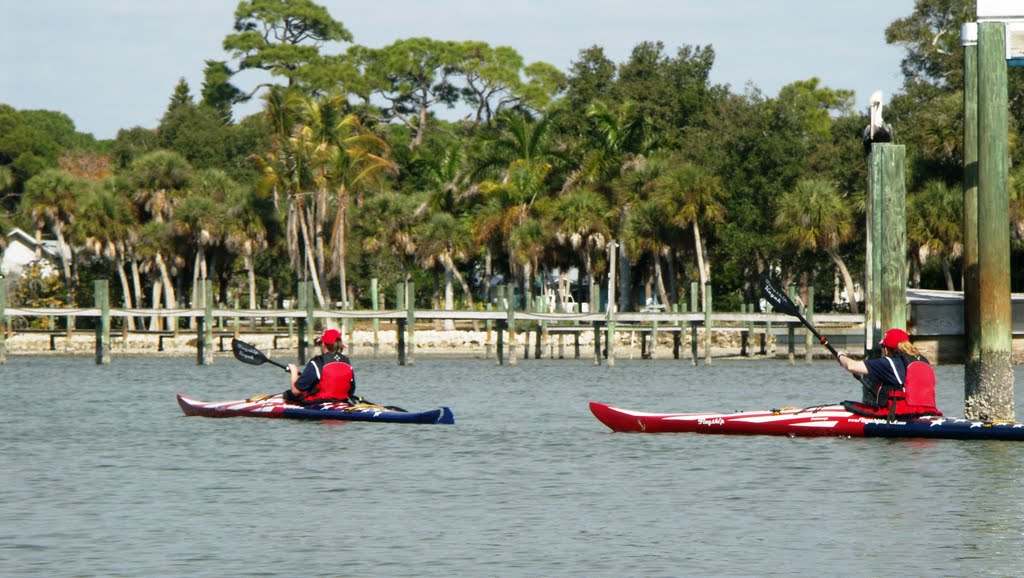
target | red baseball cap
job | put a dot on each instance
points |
(893, 338)
(329, 337)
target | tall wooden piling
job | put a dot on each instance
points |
(400, 295)
(410, 328)
(3, 321)
(305, 324)
(375, 303)
(694, 294)
(991, 397)
(888, 198)
(808, 336)
(708, 341)
(204, 341)
(791, 329)
(101, 297)
(972, 304)
(510, 304)
(610, 340)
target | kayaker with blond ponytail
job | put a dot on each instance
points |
(899, 385)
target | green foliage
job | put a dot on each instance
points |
(33, 288)
(218, 92)
(931, 38)
(282, 36)
(132, 143)
(31, 141)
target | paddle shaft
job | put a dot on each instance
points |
(782, 303)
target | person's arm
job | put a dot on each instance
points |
(303, 383)
(854, 366)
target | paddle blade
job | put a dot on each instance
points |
(247, 353)
(778, 299)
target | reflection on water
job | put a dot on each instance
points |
(104, 476)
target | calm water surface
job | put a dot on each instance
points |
(104, 476)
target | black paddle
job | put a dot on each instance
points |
(247, 353)
(783, 304)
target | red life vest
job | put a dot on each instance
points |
(335, 379)
(914, 399)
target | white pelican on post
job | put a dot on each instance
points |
(877, 129)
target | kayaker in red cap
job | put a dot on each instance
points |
(899, 385)
(327, 377)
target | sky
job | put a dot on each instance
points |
(113, 64)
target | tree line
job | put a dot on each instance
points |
(355, 169)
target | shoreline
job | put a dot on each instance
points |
(456, 343)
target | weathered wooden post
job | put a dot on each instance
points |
(410, 329)
(500, 328)
(745, 334)
(204, 343)
(499, 325)
(237, 328)
(101, 296)
(3, 320)
(400, 295)
(301, 297)
(375, 303)
(510, 300)
(991, 396)
(708, 341)
(972, 304)
(488, 328)
(595, 293)
(542, 332)
(889, 200)
(791, 330)
(808, 336)
(610, 340)
(694, 299)
(677, 336)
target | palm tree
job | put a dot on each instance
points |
(508, 206)
(646, 235)
(357, 162)
(616, 148)
(245, 232)
(51, 201)
(293, 168)
(160, 180)
(520, 160)
(445, 239)
(934, 225)
(813, 216)
(200, 218)
(445, 236)
(107, 217)
(154, 237)
(582, 219)
(389, 220)
(693, 197)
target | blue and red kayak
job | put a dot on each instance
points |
(817, 421)
(273, 406)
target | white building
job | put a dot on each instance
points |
(22, 249)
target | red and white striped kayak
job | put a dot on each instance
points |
(817, 421)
